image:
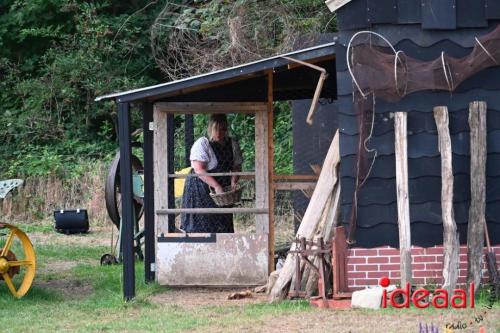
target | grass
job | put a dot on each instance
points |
(88, 298)
(72, 293)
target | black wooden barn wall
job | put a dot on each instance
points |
(422, 29)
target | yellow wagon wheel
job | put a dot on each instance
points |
(17, 260)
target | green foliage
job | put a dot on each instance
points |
(56, 57)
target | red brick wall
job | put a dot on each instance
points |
(366, 266)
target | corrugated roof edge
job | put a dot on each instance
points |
(333, 5)
(171, 83)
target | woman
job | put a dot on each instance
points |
(215, 154)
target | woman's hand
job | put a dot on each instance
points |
(218, 189)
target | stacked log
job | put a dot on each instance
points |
(318, 221)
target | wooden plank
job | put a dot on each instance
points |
(471, 14)
(451, 244)
(401, 149)
(270, 166)
(475, 227)
(160, 162)
(439, 14)
(287, 186)
(333, 5)
(214, 174)
(327, 181)
(382, 11)
(295, 177)
(211, 107)
(261, 172)
(167, 211)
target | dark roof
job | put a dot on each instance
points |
(246, 82)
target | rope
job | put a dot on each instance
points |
(486, 51)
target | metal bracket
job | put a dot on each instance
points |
(153, 267)
(151, 126)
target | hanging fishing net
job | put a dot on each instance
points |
(379, 71)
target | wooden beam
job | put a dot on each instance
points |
(261, 173)
(477, 222)
(127, 222)
(287, 186)
(211, 211)
(270, 167)
(149, 209)
(160, 162)
(401, 151)
(295, 177)
(211, 107)
(214, 174)
(451, 244)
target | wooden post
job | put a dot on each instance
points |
(127, 223)
(149, 210)
(270, 142)
(160, 167)
(402, 196)
(450, 236)
(475, 228)
(261, 172)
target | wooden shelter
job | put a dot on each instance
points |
(247, 88)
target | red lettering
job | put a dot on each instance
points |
(459, 294)
(471, 294)
(416, 298)
(384, 298)
(406, 294)
(440, 294)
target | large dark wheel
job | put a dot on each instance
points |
(112, 191)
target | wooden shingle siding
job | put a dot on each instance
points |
(377, 209)
(353, 16)
(492, 9)
(428, 14)
(471, 14)
(409, 11)
(381, 11)
(439, 14)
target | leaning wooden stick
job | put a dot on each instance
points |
(323, 191)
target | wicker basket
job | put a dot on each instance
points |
(228, 198)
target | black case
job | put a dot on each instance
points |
(71, 221)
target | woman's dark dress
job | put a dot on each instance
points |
(196, 195)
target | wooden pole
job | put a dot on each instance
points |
(160, 162)
(402, 196)
(450, 236)
(270, 142)
(127, 239)
(149, 209)
(475, 228)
